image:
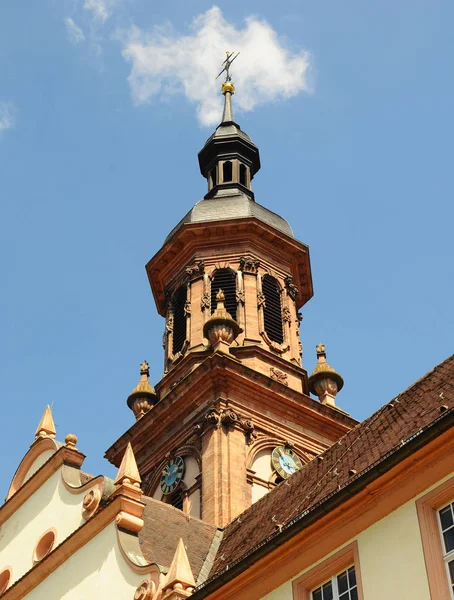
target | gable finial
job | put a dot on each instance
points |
(180, 581)
(128, 471)
(46, 427)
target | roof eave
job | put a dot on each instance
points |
(305, 519)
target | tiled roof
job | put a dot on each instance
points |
(360, 449)
(164, 525)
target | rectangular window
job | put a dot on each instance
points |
(446, 522)
(340, 587)
(338, 577)
(435, 514)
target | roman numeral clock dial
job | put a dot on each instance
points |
(172, 475)
(285, 462)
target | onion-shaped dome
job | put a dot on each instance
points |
(143, 396)
(324, 381)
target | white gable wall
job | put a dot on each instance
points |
(51, 506)
(97, 570)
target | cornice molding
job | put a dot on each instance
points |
(20, 492)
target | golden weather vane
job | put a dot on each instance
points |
(226, 65)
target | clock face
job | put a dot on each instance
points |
(172, 474)
(285, 462)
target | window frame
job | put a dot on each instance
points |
(448, 557)
(229, 300)
(333, 580)
(428, 507)
(325, 570)
(184, 292)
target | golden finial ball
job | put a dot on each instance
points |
(228, 86)
(71, 439)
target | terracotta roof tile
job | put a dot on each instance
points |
(164, 525)
(359, 449)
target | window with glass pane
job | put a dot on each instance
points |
(341, 587)
(446, 517)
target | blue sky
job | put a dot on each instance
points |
(103, 102)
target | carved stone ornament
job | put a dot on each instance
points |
(187, 308)
(205, 301)
(90, 503)
(249, 264)
(286, 315)
(213, 417)
(292, 290)
(169, 324)
(195, 270)
(240, 297)
(278, 375)
(145, 591)
(228, 418)
(261, 300)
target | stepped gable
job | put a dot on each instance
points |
(164, 525)
(428, 401)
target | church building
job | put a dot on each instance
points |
(241, 477)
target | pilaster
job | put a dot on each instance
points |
(225, 491)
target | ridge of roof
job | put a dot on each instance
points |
(368, 443)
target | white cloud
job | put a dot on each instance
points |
(164, 63)
(75, 33)
(7, 117)
(101, 9)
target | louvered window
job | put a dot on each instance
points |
(177, 499)
(179, 320)
(225, 280)
(272, 311)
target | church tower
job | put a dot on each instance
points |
(232, 415)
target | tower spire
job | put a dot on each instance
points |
(229, 159)
(228, 89)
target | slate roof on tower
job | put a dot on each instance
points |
(232, 206)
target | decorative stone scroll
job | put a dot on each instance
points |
(90, 503)
(279, 376)
(145, 591)
(291, 288)
(249, 265)
(261, 300)
(187, 308)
